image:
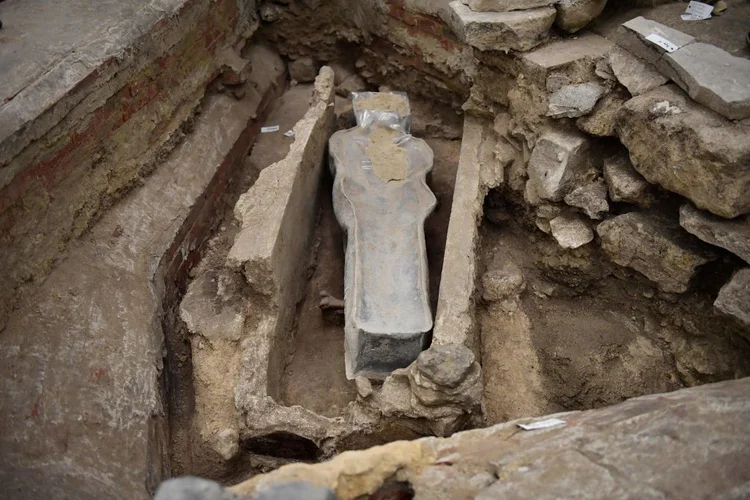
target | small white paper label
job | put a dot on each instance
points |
(289, 133)
(542, 424)
(266, 130)
(697, 11)
(662, 42)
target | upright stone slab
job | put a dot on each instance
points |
(381, 199)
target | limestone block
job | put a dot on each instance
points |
(572, 101)
(729, 234)
(446, 375)
(573, 57)
(560, 161)
(381, 199)
(354, 83)
(499, 284)
(654, 247)
(573, 15)
(591, 198)
(633, 38)
(506, 5)
(713, 77)
(688, 149)
(571, 230)
(734, 297)
(517, 30)
(635, 74)
(624, 183)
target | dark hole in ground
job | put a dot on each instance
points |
(399, 490)
(283, 445)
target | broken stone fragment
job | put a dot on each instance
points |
(635, 74)
(624, 183)
(354, 83)
(602, 119)
(500, 284)
(734, 297)
(713, 77)
(572, 101)
(234, 69)
(571, 230)
(364, 387)
(506, 5)
(560, 161)
(193, 488)
(657, 248)
(270, 12)
(659, 127)
(632, 36)
(729, 234)
(573, 15)
(303, 70)
(446, 374)
(516, 30)
(591, 198)
(446, 365)
(572, 58)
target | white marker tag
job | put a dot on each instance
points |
(266, 130)
(289, 133)
(542, 424)
(697, 11)
(662, 42)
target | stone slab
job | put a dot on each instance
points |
(559, 162)
(633, 38)
(654, 247)
(571, 230)
(624, 183)
(572, 101)
(387, 310)
(713, 77)
(734, 297)
(559, 53)
(729, 234)
(517, 30)
(635, 449)
(82, 414)
(635, 74)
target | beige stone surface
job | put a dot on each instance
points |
(729, 234)
(574, 15)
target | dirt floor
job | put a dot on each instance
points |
(584, 334)
(318, 359)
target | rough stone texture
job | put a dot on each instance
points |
(303, 70)
(446, 365)
(560, 161)
(633, 38)
(354, 83)
(194, 488)
(499, 284)
(732, 235)
(387, 310)
(573, 57)
(574, 15)
(601, 121)
(595, 454)
(572, 101)
(517, 30)
(91, 100)
(713, 77)
(506, 5)
(571, 230)
(624, 183)
(591, 198)
(294, 490)
(654, 247)
(82, 414)
(660, 126)
(454, 319)
(635, 74)
(734, 297)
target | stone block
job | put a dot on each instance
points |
(633, 38)
(624, 183)
(572, 101)
(591, 198)
(303, 70)
(734, 297)
(559, 162)
(713, 77)
(730, 234)
(655, 247)
(574, 15)
(503, 282)
(635, 74)
(573, 57)
(516, 30)
(571, 230)
(602, 119)
(506, 5)
(381, 199)
(661, 126)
